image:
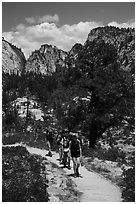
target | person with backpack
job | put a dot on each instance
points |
(49, 141)
(66, 152)
(63, 144)
(76, 153)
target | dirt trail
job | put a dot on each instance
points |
(92, 186)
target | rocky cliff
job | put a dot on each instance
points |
(123, 40)
(49, 59)
(46, 60)
(13, 59)
(73, 54)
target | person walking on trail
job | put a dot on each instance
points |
(76, 153)
(66, 152)
(59, 143)
(60, 139)
(49, 140)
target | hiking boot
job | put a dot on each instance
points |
(77, 173)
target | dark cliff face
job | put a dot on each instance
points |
(75, 50)
(123, 41)
(13, 59)
(110, 34)
(74, 53)
(46, 60)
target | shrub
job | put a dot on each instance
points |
(12, 138)
(128, 193)
(111, 154)
(24, 178)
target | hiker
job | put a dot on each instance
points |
(60, 137)
(66, 152)
(59, 143)
(49, 140)
(76, 153)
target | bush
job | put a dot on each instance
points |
(112, 154)
(13, 138)
(24, 178)
(128, 193)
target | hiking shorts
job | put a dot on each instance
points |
(75, 154)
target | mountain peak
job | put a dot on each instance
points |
(108, 33)
(13, 59)
(77, 47)
(121, 39)
(46, 59)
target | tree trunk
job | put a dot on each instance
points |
(92, 138)
(96, 132)
(92, 142)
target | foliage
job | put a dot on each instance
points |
(128, 193)
(27, 84)
(17, 85)
(24, 178)
(97, 76)
(12, 137)
(95, 89)
(112, 154)
(93, 93)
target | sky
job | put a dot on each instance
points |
(28, 25)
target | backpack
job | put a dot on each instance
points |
(65, 143)
(75, 145)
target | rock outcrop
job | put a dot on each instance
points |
(46, 60)
(49, 59)
(122, 39)
(73, 54)
(13, 59)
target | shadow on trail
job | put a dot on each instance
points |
(73, 175)
(65, 167)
